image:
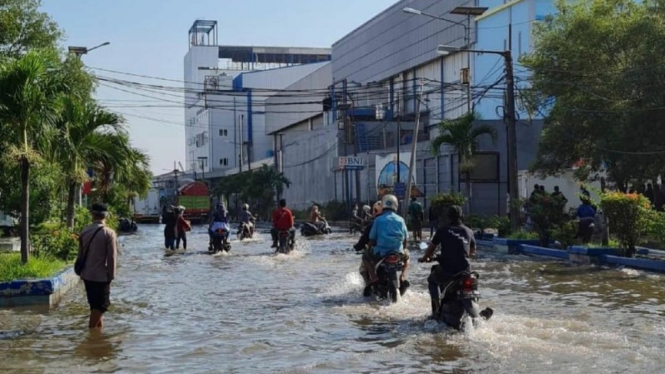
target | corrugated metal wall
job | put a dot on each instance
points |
(395, 41)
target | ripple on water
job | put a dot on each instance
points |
(252, 311)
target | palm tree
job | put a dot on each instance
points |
(80, 127)
(31, 88)
(463, 137)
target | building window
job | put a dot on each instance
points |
(519, 43)
(202, 163)
(224, 161)
(223, 132)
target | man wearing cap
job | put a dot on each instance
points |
(99, 249)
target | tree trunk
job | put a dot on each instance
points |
(71, 192)
(25, 209)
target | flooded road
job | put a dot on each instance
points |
(252, 312)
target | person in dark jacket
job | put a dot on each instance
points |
(433, 222)
(169, 219)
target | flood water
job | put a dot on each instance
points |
(253, 312)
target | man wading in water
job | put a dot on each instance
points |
(98, 250)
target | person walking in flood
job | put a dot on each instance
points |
(169, 219)
(98, 251)
(182, 226)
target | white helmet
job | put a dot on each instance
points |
(366, 208)
(389, 202)
(245, 206)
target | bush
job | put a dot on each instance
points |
(566, 233)
(441, 203)
(336, 211)
(657, 227)
(501, 223)
(546, 213)
(55, 241)
(628, 216)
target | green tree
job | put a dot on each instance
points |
(24, 27)
(78, 142)
(31, 89)
(598, 70)
(463, 136)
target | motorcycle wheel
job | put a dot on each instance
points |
(393, 286)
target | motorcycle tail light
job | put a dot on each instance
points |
(392, 259)
(469, 284)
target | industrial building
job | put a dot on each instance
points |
(225, 90)
(365, 96)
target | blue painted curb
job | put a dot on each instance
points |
(485, 243)
(515, 242)
(45, 291)
(540, 251)
(636, 263)
(579, 250)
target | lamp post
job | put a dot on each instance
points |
(468, 12)
(510, 116)
(79, 51)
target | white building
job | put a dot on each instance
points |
(225, 92)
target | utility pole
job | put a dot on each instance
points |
(512, 142)
(242, 139)
(414, 148)
(399, 138)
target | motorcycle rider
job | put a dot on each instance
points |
(220, 220)
(247, 218)
(362, 245)
(282, 220)
(367, 214)
(457, 245)
(317, 218)
(387, 236)
(416, 218)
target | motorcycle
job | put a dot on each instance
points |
(356, 225)
(387, 271)
(244, 232)
(459, 299)
(127, 225)
(319, 228)
(285, 243)
(219, 241)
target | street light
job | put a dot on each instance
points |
(512, 135)
(84, 50)
(468, 12)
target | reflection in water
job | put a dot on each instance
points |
(97, 346)
(251, 311)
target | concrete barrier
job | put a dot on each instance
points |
(44, 292)
(511, 246)
(10, 244)
(584, 255)
(635, 263)
(541, 251)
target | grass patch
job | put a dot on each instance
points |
(11, 267)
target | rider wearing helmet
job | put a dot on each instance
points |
(362, 245)
(457, 245)
(247, 218)
(387, 236)
(282, 220)
(367, 213)
(220, 220)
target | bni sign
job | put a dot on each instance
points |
(351, 163)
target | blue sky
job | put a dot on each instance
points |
(149, 37)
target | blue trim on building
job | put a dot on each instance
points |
(237, 83)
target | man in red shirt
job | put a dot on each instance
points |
(282, 220)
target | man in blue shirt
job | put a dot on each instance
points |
(388, 235)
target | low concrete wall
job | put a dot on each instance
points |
(10, 245)
(541, 251)
(46, 291)
(576, 254)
